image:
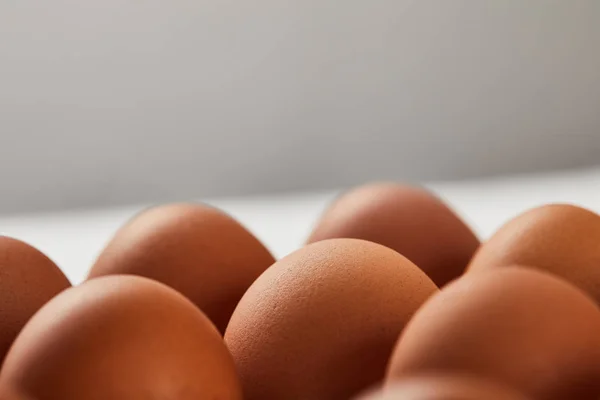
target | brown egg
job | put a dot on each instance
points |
(407, 219)
(196, 249)
(445, 388)
(321, 323)
(28, 279)
(517, 326)
(561, 239)
(120, 337)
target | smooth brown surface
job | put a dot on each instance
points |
(445, 388)
(321, 323)
(120, 338)
(408, 219)
(518, 326)
(196, 249)
(28, 279)
(561, 239)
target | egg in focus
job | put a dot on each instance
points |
(120, 337)
(520, 327)
(28, 279)
(321, 323)
(410, 220)
(196, 249)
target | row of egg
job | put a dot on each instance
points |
(350, 312)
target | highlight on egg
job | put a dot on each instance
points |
(321, 323)
(120, 337)
(196, 249)
(517, 326)
(558, 238)
(408, 219)
(445, 387)
(28, 279)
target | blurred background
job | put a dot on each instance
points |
(120, 102)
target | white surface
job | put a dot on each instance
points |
(73, 239)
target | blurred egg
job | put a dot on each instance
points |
(196, 249)
(321, 323)
(28, 279)
(120, 337)
(407, 219)
(561, 239)
(517, 326)
(445, 388)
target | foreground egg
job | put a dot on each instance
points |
(407, 219)
(517, 326)
(120, 337)
(321, 323)
(28, 279)
(561, 239)
(445, 388)
(196, 249)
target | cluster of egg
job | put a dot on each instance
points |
(393, 297)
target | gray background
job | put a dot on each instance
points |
(120, 101)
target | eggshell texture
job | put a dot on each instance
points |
(321, 323)
(517, 326)
(28, 279)
(561, 239)
(196, 249)
(120, 337)
(410, 220)
(445, 388)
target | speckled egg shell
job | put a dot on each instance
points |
(321, 323)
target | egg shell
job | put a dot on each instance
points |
(321, 323)
(28, 279)
(558, 238)
(410, 220)
(517, 326)
(445, 387)
(196, 249)
(120, 337)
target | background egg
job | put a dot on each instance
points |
(561, 239)
(120, 337)
(410, 220)
(28, 279)
(321, 323)
(524, 328)
(196, 249)
(445, 388)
